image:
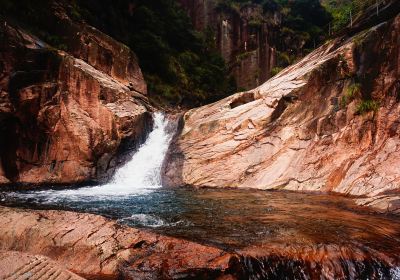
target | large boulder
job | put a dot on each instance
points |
(67, 118)
(328, 123)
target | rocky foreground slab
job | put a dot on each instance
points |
(20, 266)
(96, 248)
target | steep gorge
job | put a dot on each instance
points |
(328, 123)
(246, 38)
(259, 38)
(73, 112)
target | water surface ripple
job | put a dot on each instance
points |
(279, 235)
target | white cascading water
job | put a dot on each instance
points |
(139, 176)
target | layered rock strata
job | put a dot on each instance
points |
(246, 38)
(66, 118)
(96, 248)
(328, 123)
(17, 266)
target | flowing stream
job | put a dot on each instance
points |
(140, 176)
(281, 235)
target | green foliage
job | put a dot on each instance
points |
(275, 71)
(34, 17)
(302, 27)
(181, 66)
(353, 91)
(284, 59)
(243, 56)
(229, 6)
(270, 6)
(255, 23)
(367, 106)
(340, 11)
(76, 12)
(306, 18)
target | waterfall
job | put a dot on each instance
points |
(142, 172)
(140, 175)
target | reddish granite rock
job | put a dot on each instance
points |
(99, 50)
(18, 265)
(301, 129)
(97, 248)
(66, 118)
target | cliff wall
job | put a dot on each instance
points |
(245, 37)
(328, 123)
(66, 117)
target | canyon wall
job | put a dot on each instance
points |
(245, 37)
(328, 123)
(65, 117)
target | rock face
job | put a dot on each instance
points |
(245, 38)
(96, 248)
(66, 117)
(328, 123)
(99, 50)
(17, 265)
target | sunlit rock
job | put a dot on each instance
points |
(300, 130)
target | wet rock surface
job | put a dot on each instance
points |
(17, 266)
(305, 129)
(97, 248)
(66, 118)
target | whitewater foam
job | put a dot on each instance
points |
(141, 175)
(144, 220)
